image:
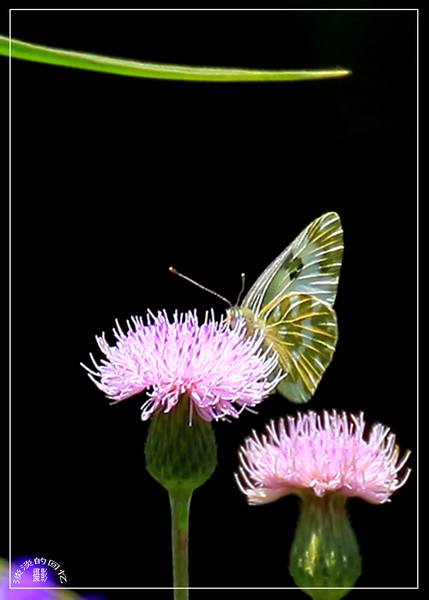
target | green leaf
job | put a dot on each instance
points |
(120, 66)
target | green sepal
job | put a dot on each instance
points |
(181, 455)
(325, 552)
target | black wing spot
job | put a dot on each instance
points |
(295, 268)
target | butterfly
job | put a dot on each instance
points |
(291, 303)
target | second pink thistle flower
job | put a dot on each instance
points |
(324, 460)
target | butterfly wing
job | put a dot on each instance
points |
(303, 331)
(309, 265)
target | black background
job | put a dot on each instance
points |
(114, 179)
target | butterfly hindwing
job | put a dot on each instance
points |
(303, 331)
(309, 265)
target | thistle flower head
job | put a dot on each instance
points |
(222, 370)
(321, 454)
(324, 460)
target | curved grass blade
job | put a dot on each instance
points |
(119, 66)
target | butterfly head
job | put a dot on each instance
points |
(235, 313)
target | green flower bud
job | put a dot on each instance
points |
(180, 455)
(325, 553)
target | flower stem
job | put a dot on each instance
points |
(180, 503)
(181, 456)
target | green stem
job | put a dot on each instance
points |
(120, 66)
(180, 503)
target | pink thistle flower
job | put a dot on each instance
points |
(324, 460)
(222, 370)
(321, 455)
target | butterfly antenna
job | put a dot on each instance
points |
(243, 283)
(173, 270)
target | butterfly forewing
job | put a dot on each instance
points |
(291, 302)
(309, 265)
(303, 331)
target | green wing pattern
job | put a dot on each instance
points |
(304, 332)
(310, 265)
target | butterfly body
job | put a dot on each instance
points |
(291, 303)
